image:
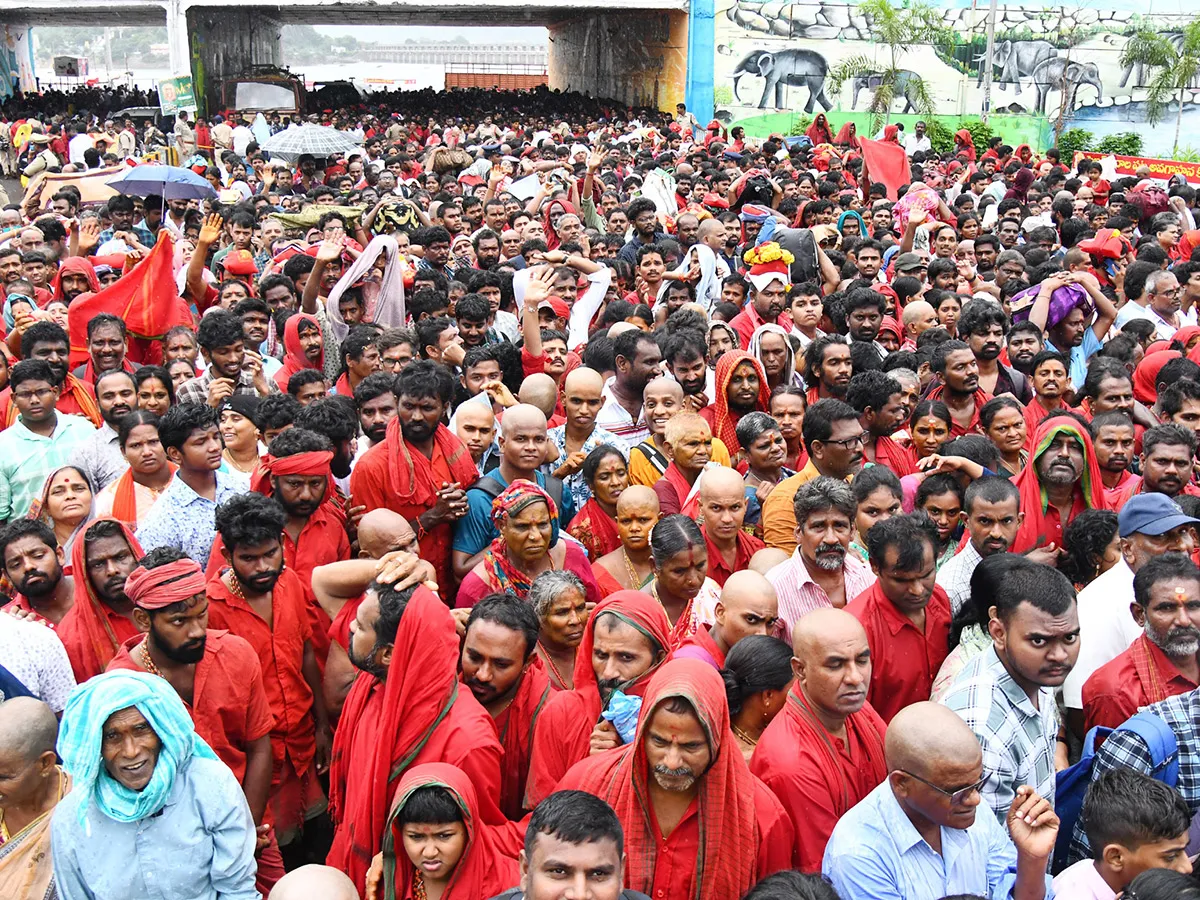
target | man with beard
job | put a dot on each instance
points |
(216, 673)
(954, 364)
(723, 510)
(420, 469)
(1051, 387)
(100, 457)
(827, 368)
(868, 260)
(1148, 525)
(582, 397)
(1168, 454)
(834, 438)
(498, 666)
(684, 795)
(864, 315)
(638, 360)
(643, 216)
(260, 599)
(685, 357)
(376, 401)
(1113, 436)
(879, 402)
(487, 249)
(1072, 335)
(106, 336)
(33, 562)
(624, 642)
(1163, 661)
(1006, 694)
(820, 572)
(769, 285)
(74, 277)
(982, 325)
(49, 342)
(101, 618)
(992, 506)
(1023, 342)
(827, 703)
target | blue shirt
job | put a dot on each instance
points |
(1080, 356)
(186, 521)
(475, 530)
(199, 847)
(875, 853)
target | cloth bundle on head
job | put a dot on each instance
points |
(708, 288)
(1108, 244)
(518, 496)
(165, 585)
(768, 262)
(80, 737)
(1062, 301)
(384, 306)
(1145, 376)
(918, 196)
(752, 212)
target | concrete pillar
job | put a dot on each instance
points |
(638, 58)
(225, 42)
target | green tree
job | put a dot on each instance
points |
(1173, 59)
(896, 27)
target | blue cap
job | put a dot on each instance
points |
(1152, 514)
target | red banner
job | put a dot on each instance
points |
(1159, 168)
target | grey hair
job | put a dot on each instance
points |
(1155, 278)
(547, 587)
(902, 374)
(752, 426)
(821, 494)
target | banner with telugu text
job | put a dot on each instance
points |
(1161, 169)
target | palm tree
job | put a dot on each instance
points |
(1174, 59)
(897, 28)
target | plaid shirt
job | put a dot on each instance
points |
(955, 576)
(1017, 739)
(196, 390)
(1126, 749)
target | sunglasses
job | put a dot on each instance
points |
(957, 797)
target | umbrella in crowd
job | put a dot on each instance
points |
(314, 140)
(168, 182)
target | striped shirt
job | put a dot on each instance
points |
(1017, 739)
(799, 595)
(615, 418)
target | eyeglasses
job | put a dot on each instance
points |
(958, 797)
(848, 443)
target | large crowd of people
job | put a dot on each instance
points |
(551, 500)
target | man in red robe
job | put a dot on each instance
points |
(688, 444)
(905, 614)
(955, 364)
(625, 640)
(723, 508)
(216, 674)
(697, 823)
(266, 603)
(499, 666)
(748, 605)
(405, 709)
(1163, 661)
(823, 753)
(420, 469)
(101, 620)
(879, 401)
(1060, 481)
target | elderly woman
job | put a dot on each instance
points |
(1003, 422)
(766, 453)
(560, 601)
(65, 505)
(130, 497)
(771, 347)
(681, 583)
(529, 544)
(153, 812)
(595, 525)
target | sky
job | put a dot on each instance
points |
(394, 34)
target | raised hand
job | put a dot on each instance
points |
(210, 231)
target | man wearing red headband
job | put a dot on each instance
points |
(215, 673)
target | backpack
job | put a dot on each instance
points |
(493, 489)
(1071, 783)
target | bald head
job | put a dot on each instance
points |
(721, 484)
(915, 312)
(478, 415)
(748, 605)
(620, 328)
(314, 883)
(28, 729)
(823, 628)
(766, 559)
(381, 531)
(523, 416)
(663, 387)
(637, 496)
(583, 381)
(538, 390)
(924, 735)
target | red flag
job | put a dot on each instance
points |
(887, 164)
(145, 298)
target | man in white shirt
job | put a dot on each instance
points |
(33, 655)
(78, 144)
(918, 140)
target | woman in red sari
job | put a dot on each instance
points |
(595, 525)
(304, 348)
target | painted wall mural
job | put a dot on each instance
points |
(1051, 65)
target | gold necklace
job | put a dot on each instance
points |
(147, 662)
(549, 660)
(741, 735)
(634, 581)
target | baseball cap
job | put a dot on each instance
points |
(559, 308)
(908, 261)
(1152, 514)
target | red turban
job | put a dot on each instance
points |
(160, 587)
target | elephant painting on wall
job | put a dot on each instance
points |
(795, 67)
(1015, 60)
(907, 86)
(1067, 76)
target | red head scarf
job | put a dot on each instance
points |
(818, 132)
(294, 359)
(483, 870)
(1145, 376)
(964, 143)
(552, 238)
(74, 265)
(847, 134)
(1186, 334)
(727, 789)
(1033, 501)
(160, 587)
(724, 425)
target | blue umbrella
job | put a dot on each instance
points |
(168, 182)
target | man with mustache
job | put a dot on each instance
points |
(1168, 452)
(1163, 661)
(769, 284)
(260, 599)
(983, 325)
(1113, 436)
(1148, 526)
(955, 366)
(827, 367)
(827, 703)
(1051, 388)
(231, 712)
(497, 664)
(685, 797)
(1006, 693)
(33, 562)
(100, 457)
(992, 507)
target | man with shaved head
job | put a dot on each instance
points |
(540, 390)
(747, 606)
(523, 446)
(33, 783)
(313, 882)
(580, 435)
(628, 568)
(475, 426)
(723, 508)
(918, 836)
(824, 752)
